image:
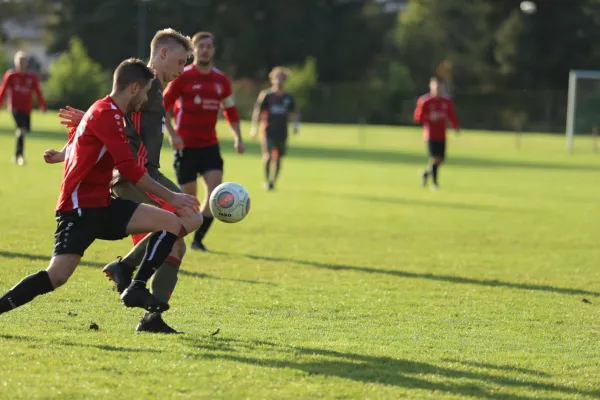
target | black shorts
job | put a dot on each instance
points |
(190, 162)
(76, 230)
(437, 148)
(275, 143)
(23, 120)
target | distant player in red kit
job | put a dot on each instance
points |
(433, 111)
(19, 85)
(197, 95)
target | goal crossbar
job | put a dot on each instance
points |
(574, 75)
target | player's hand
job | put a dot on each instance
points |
(176, 142)
(187, 212)
(52, 156)
(239, 146)
(70, 117)
(253, 132)
(182, 201)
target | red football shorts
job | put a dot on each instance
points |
(161, 204)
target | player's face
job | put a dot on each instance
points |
(175, 60)
(279, 80)
(435, 87)
(204, 51)
(140, 95)
(21, 63)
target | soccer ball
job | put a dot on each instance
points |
(229, 202)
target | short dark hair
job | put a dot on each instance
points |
(200, 36)
(131, 71)
(169, 36)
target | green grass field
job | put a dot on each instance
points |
(348, 281)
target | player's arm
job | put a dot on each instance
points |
(174, 138)
(453, 117)
(118, 147)
(259, 107)
(52, 156)
(295, 115)
(420, 115)
(4, 87)
(38, 93)
(233, 118)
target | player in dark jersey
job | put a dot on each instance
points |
(275, 107)
(85, 211)
(169, 52)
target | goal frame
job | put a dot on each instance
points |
(574, 75)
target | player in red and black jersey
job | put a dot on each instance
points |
(197, 95)
(19, 85)
(85, 210)
(434, 110)
(169, 51)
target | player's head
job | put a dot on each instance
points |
(279, 76)
(204, 48)
(436, 86)
(132, 79)
(169, 51)
(20, 61)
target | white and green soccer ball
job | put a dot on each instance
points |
(229, 202)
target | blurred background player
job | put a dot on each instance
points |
(273, 108)
(433, 111)
(19, 85)
(169, 51)
(200, 91)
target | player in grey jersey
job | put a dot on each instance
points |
(276, 107)
(145, 129)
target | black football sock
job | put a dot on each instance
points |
(201, 232)
(434, 173)
(136, 255)
(268, 170)
(277, 169)
(159, 246)
(20, 145)
(25, 291)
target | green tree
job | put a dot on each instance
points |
(75, 79)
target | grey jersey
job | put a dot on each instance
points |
(278, 108)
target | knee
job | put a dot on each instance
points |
(267, 157)
(58, 277)
(172, 223)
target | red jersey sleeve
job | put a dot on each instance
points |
(111, 134)
(229, 109)
(4, 87)
(452, 115)
(38, 92)
(420, 115)
(172, 92)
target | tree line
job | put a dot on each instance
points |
(353, 60)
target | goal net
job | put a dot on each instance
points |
(583, 108)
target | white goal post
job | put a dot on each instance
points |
(574, 76)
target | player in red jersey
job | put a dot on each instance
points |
(85, 211)
(433, 111)
(20, 84)
(200, 91)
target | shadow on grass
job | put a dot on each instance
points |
(359, 154)
(428, 276)
(94, 264)
(507, 368)
(377, 369)
(104, 347)
(410, 202)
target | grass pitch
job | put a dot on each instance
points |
(348, 281)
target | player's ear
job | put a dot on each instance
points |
(163, 53)
(134, 88)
